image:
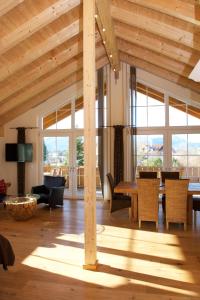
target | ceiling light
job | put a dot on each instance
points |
(195, 74)
(110, 55)
(104, 29)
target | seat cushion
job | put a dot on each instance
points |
(44, 198)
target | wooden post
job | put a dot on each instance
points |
(89, 133)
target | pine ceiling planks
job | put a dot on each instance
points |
(41, 45)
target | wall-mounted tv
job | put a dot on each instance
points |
(19, 152)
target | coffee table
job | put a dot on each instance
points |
(21, 208)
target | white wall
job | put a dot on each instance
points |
(31, 119)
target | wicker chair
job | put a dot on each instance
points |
(118, 200)
(147, 174)
(168, 175)
(176, 191)
(148, 194)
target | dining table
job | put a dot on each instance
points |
(128, 187)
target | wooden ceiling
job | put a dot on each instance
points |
(41, 45)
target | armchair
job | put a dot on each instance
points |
(51, 192)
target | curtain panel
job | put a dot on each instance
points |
(118, 154)
(133, 121)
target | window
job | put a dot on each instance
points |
(167, 142)
(150, 103)
(186, 150)
(150, 150)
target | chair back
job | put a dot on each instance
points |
(111, 183)
(176, 191)
(147, 174)
(148, 194)
(54, 181)
(169, 175)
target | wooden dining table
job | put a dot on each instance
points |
(132, 189)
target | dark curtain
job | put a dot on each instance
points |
(118, 154)
(21, 165)
(100, 81)
(133, 93)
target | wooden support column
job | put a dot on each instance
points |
(89, 133)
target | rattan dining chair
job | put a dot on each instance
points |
(118, 201)
(176, 191)
(167, 175)
(148, 194)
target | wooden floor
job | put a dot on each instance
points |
(133, 264)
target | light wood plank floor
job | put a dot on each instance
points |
(133, 264)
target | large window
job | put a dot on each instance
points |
(168, 133)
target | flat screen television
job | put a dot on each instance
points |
(19, 152)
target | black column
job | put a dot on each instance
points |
(21, 165)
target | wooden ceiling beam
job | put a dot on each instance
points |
(39, 21)
(47, 93)
(167, 27)
(175, 8)
(160, 72)
(42, 48)
(154, 58)
(7, 5)
(156, 43)
(105, 25)
(73, 48)
(46, 81)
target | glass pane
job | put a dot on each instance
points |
(141, 145)
(179, 161)
(193, 161)
(179, 144)
(79, 123)
(150, 150)
(64, 117)
(141, 99)
(56, 156)
(153, 113)
(80, 162)
(154, 102)
(141, 116)
(49, 122)
(155, 161)
(155, 144)
(193, 144)
(192, 121)
(177, 115)
(142, 160)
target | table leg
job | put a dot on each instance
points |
(189, 210)
(134, 205)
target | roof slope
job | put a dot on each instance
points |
(41, 45)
